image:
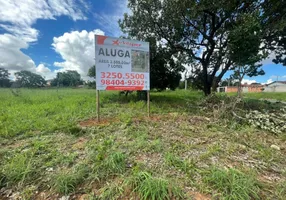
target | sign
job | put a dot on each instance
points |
(121, 64)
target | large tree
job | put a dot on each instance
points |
(201, 29)
(28, 79)
(67, 79)
(164, 70)
(4, 78)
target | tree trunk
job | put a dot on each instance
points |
(206, 84)
(207, 89)
(239, 91)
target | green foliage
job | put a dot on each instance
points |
(164, 71)
(281, 190)
(70, 152)
(66, 181)
(67, 79)
(152, 188)
(92, 72)
(4, 78)
(28, 79)
(177, 162)
(18, 169)
(245, 39)
(111, 191)
(115, 163)
(215, 30)
(232, 184)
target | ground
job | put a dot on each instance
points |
(52, 147)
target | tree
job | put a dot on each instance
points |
(274, 24)
(244, 44)
(201, 29)
(67, 79)
(28, 79)
(241, 71)
(164, 70)
(4, 78)
(92, 72)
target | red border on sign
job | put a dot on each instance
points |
(124, 87)
(101, 39)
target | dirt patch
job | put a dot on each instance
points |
(80, 143)
(198, 196)
(95, 122)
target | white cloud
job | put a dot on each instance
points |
(45, 71)
(268, 81)
(109, 20)
(247, 81)
(18, 17)
(77, 50)
(22, 14)
(12, 58)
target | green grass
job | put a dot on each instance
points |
(51, 143)
(18, 169)
(153, 188)
(281, 96)
(233, 184)
(62, 109)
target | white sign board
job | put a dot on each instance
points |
(121, 64)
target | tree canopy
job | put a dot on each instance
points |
(4, 78)
(91, 71)
(209, 32)
(67, 79)
(28, 79)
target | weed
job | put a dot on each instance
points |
(233, 184)
(115, 163)
(28, 193)
(212, 150)
(176, 162)
(153, 188)
(66, 181)
(281, 190)
(18, 169)
(111, 191)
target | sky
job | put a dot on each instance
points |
(50, 36)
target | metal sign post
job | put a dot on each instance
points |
(148, 102)
(97, 105)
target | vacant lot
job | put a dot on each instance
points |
(190, 148)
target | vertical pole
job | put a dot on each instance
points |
(97, 105)
(148, 102)
(186, 84)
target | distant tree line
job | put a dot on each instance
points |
(29, 79)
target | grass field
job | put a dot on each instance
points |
(52, 146)
(281, 96)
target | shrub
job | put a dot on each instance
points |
(232, 184)
(153, 188)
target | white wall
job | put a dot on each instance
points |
(275, 87)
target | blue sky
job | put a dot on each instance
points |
(47, 36)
